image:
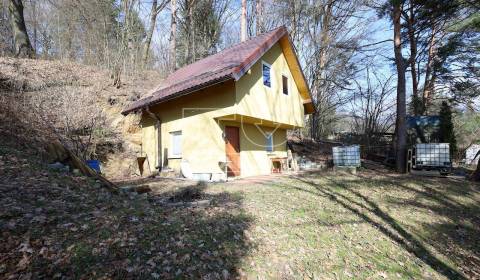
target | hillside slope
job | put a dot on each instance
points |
(37, 79)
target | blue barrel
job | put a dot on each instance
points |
(94, 164)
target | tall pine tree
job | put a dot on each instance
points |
(446, 130)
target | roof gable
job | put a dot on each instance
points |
(229, 64)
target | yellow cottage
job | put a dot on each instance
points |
(228, 113)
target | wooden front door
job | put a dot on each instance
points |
(232, 148)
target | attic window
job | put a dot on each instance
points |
(267, 81)
(285, 85)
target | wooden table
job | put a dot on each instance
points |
(281, 162)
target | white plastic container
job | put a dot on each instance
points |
(432, 155)
(348, 156)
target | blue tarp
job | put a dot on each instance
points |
(423, 129)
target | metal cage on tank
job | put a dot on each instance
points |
(432, 156)
(348, 156)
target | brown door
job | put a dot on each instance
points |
(232, 148)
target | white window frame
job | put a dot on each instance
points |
(172, 143)
(269, 147)
(271, 74)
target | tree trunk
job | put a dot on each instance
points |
(325, 39)
(258, 18)
(173, 37)
(35, 25)
(23, 47)
(243, 23)
(401, 129)
(325, 36)
(413, 57)
(153, 21)
(192, 33)
(188, 23)
(429, 77)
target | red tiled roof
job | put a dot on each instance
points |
(229, 64)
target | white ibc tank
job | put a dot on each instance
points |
(432, 154)
(348, 156)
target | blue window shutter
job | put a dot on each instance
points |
(269, 146)
(266, 75)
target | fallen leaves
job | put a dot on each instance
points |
(56, 226)
(24, 262)
(82, 231)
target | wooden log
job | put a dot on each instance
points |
(87, 171)
(58, 152)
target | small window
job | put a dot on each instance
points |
(285, 85)
(176, 144)
(269, 144)
(267, 81)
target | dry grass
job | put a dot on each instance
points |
(26, 83)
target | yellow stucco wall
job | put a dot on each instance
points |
(195, 115)
(198, 116)
(254, 158)
(269, 103)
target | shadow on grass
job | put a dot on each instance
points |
(455, 200)
(459, 238)
(140, 239)
(367, 210)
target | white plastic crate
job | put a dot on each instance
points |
(432, 155)
(348, 156)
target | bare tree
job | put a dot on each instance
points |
(58, 111)
(259, 17)
(173, 37)
(154, 11)
(200, 25)
(6, 44)
(243, 21)
(372, 106)
(23, 47)
(326, 45)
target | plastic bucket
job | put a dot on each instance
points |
(94, 164)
